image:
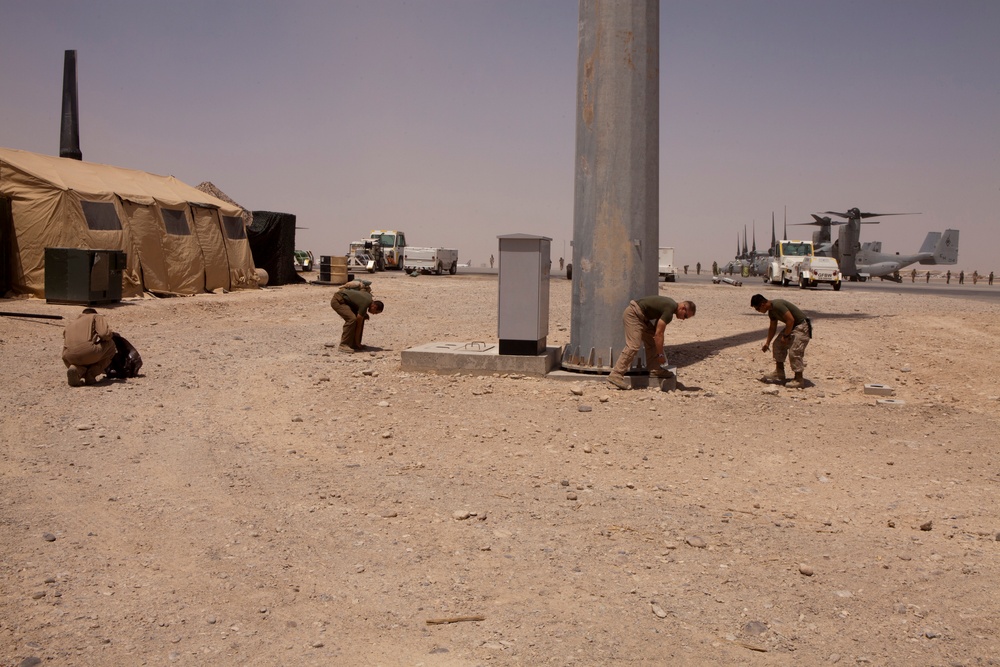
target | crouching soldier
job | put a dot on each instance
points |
(88, 347)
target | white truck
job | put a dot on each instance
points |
(666, 269)
(430, 260)
(787, 254)
(812, 271)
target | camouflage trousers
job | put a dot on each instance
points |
(794, 348)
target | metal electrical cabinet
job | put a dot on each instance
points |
(83, 276)
(523, 317)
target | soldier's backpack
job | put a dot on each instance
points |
(126, 362)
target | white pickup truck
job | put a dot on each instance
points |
(430, 260)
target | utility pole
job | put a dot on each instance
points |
(616, 204)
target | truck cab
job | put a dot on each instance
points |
(393, 244)
(781, 268)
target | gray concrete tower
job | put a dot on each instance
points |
(616, 211)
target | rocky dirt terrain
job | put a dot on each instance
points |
(257, 498)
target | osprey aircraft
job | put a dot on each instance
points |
(859, 262)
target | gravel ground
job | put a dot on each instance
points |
(257, 498)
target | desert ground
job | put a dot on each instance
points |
(256, 497)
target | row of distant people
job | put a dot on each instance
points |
(961, 277)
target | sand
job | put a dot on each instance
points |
(258, 498)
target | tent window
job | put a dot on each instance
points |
(234, 227)
(101, 215)
(175, 222)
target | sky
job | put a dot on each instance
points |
(454, 121)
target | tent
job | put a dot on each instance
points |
(177, 239)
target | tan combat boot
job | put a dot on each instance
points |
(776, 377)
(618, 380)
(74, 376)
(798, 382)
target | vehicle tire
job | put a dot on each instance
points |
(454, 268)
(569, 272)
(803, 283)
(836, 287)
(784, 282)
(440, 269)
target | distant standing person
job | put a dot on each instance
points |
(491, 261)
(947, 277)
(88, 347)
(928, 276)
(697, 268)
(991, 277)
(913, 276)
(961, 277)
(975, 277)
(561, 263)
(791, 342)
(715, 268)
(355, 307)
(640, 330)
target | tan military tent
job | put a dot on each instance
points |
(177, 239)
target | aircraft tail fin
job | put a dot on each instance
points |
(930, 243)
(944, 247)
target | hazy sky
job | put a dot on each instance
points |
(455, 120)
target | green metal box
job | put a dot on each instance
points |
(83, 276)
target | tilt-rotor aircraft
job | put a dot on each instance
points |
(860, 262)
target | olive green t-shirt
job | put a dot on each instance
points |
(779, 307)
(359, 300)
(658, 308)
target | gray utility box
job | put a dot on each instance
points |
(523, 318)
(83, 276)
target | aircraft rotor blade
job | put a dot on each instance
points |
(865, 215)
(879, 215)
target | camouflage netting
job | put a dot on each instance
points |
(209, 187)
(272, 242)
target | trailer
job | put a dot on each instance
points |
(667, 271)
(430, 260)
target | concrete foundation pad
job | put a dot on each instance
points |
(879, 390)
(476, 357)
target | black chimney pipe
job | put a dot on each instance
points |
(69, 134)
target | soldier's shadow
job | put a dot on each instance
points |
(686, 354)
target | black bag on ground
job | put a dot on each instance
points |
(126, 362)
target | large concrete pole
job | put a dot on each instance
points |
(616, 213)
